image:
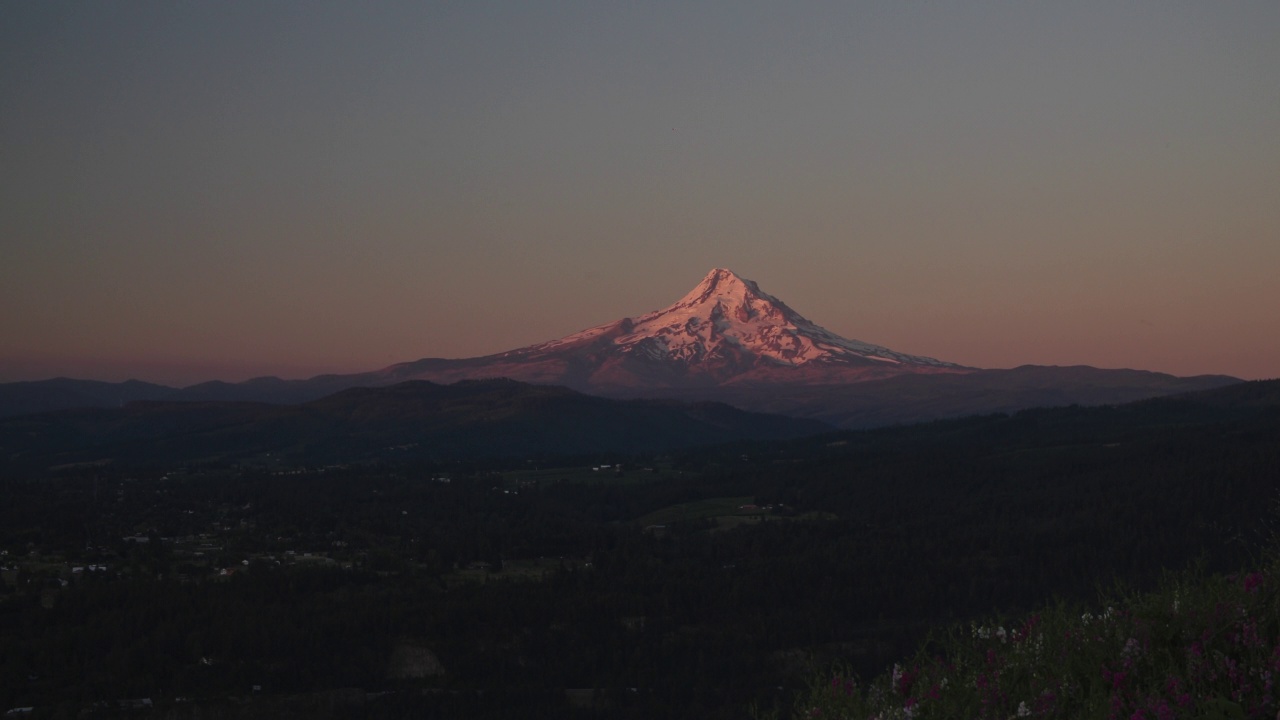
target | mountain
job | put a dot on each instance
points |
(21, 398)
(409, 421)
(725, 331)
(726, 340)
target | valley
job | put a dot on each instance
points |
(543, 589)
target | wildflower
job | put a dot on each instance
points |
(1252, 581)
(1115, 678)
(903, 680)
(1000, 633)
(1030, 624)
(840, 684)
(1086, 618)
(1023, 710)
(1249, 635)
(1044, 703)
(1131, 647)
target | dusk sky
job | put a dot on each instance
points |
(202, 190)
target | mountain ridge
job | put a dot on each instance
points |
(407, 421)
(726, 340)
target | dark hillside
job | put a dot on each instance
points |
(685, 585)
(410, 421)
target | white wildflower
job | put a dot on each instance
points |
(1000, 633)
(1023, 710)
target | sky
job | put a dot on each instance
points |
(223, 190)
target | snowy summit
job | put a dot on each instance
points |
(729, 319)
(726, 330)
(727, 315)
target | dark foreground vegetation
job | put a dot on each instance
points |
(694, 585)
(1199, 647)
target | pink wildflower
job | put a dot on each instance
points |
(906, 680)
(1252, 581)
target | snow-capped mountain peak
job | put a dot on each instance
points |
(725, 285)
(726, 326)
(724, 332)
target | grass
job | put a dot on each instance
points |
(1200, 647)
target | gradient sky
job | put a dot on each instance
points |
(205, 190)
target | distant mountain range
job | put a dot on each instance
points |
(414, 420)
(912, 398)
(726, 340)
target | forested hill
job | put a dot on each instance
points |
(412, 421)
(996, 511)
